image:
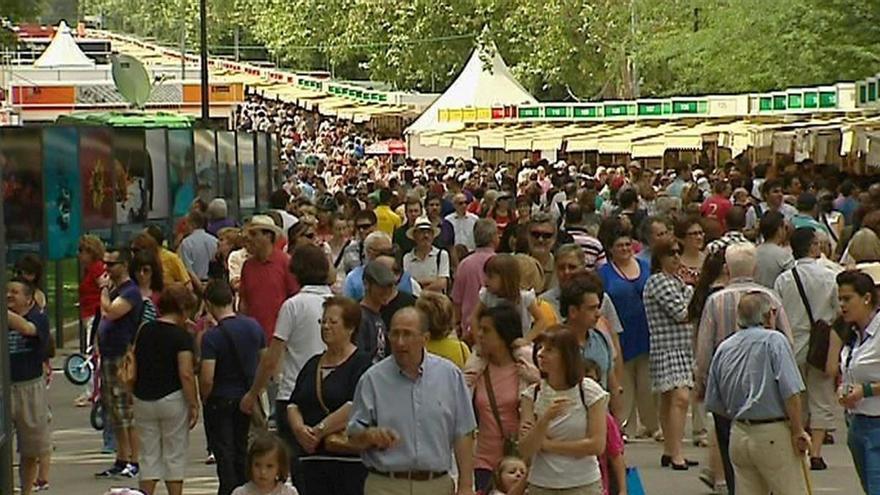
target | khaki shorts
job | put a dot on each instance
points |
(30, 417)
(820, 401)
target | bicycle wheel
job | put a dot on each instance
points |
(96, 418)
(77, 370)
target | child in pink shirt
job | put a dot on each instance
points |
(611, 462)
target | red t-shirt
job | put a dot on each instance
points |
(716, 207)
(89, 292)
(265, 285)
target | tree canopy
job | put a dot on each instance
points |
(559, 49)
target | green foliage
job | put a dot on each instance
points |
(558, 49)
(18, 11)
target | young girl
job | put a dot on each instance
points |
(503, 284)
(612, 459)
(509, 477)
(267, 465)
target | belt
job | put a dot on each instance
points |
(410, 475)
(751, 422)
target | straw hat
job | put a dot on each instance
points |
(422, 223)
(264, 222)
(870, 269)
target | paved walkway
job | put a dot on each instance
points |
(77, 456)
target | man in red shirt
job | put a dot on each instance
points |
(718, 204)
(266, 281)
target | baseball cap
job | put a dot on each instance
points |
(379, 274)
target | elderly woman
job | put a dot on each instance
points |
(438, 309)
(229, 241)
(562, 421)
(671, 356)
(217, 217)
(624, 278)
(166, 404)
(321, 401)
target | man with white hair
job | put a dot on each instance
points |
(755, 383)
(376, 244)
(462, 222)
(719, 321)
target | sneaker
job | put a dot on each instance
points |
(112, 471)
(817, 464)
(41, 485)
(210, 460)
(130, 471)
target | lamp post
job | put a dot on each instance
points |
(203, 38)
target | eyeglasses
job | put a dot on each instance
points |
(546, 236)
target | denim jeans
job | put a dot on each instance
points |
(227, 430)
(722, 432)
(863, 440)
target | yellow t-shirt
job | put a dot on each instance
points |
(173, 269)
(386, 220)
(450, 348)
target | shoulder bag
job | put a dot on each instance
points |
(126, 373)
(510, 445)
(336, 442)
(820, 331)
(258, 416)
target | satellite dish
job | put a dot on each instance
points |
(132, 79)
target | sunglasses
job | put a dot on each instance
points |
(542, 235)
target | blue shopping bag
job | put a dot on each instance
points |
(634, 482)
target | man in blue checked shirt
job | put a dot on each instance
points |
(754, 381)
(411, 411)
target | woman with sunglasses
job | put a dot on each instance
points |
(671, 356)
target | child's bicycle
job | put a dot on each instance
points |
(79, 369)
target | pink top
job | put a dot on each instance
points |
(469, 278)
(613, 448)
(490, 442)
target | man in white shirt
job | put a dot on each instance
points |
(462, 222)
(426, 263)
(819, 286)
(773, 194)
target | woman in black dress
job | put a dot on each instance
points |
(321, 402)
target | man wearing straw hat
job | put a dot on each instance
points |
(266, 281)
(754, 381)
(426, 263)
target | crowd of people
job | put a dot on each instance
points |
(461, 327)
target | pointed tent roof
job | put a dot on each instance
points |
(63, 51)
(478, 85)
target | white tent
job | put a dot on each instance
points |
(478, 85)
(63, 51)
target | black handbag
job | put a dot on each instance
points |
(820, 331)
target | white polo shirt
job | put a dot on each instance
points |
(860, 363)
(435, 264)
